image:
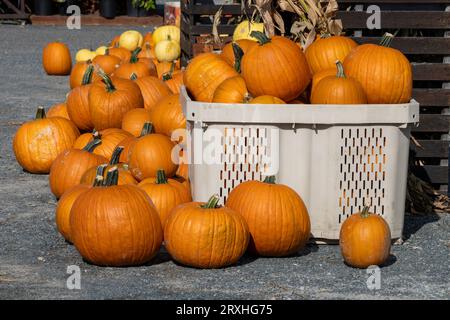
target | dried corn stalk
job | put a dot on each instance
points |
(271, 18)
(422, 199)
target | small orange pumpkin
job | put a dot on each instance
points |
(110, 138)
(167, 115)
(139, 67)
(78, 73)
(58, 110)
(134, 120)
(107, 62)
(228, 52)
(56, 59)
(153, 90)
(232, 90)
(318, 76)
(123, 54)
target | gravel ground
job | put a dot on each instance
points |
(34, 257)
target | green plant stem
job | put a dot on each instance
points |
(161, 177)
(146, 129)
(116, 155)
(212, 202)
(40, 113)
(269, 179)
(340, 70)
(92, 145)
(260, 37)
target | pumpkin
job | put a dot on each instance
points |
(338, 89)
(167, 50)
(70, 165)
(326, 50)
(266, 99)
(102, 50)
(389, 77)
(148, 38)
(134, 120)
(165, 193)
(204, 235)
(131, 40)
(165, 67)
(285, 73)
(228, 51)
(130, 232)
(125, 177)
(78, 73)
(78, 102)
(129, 142)
(107, 62)
(139, 67)
(147, 52)
(111, 99)
(151, 153)
(84, 55)
(123, 54)
(56, 59)
(153, 90)
(276, 216)
(204, 74)
(58, 110)
(115, 41)
(244, 29)
(365, 239)
(66, 202)
(167, 115)
(110, 138)
(232, 90)
(174, 80)
(166, 33)
(318, 76)
(37, 143)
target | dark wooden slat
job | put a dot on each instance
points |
(432, 174)
(205, 9)
(8, 16)
(414, 45)
(431, 71)
(431, 149)
(393, 1)
(207, 29)
(398, 19)
(432, 97)
(433, 123)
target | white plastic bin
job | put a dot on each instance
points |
(337, 157)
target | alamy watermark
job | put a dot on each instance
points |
(73, 282)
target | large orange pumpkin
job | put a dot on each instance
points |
(338, 89)
(70, 165)
(130, 232)
(228, 52)
(153, 90)
(203, 235)
(37, 143)
(56, 59)
(326, 50)
(365, 239)
(111, 99)
(276, 216)
(165, 193)
(204, 74)
(232, 90)
(58, 110)
(275, 67)
(134, 120)
(384, 73)
(167, 115)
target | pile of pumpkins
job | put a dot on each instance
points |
(122, 189)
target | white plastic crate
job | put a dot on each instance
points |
(337, 157)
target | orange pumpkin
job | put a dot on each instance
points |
(318, 76)
(110, 138)
(167, 115)
(275, 67)
(174, 80)
(389, 77)
(148, 38)
(276, 216)
(123, 54)
(164, 67)
(115, 41)
(204, 74)
(134, 120)
(338, 90)
(232, 90)
(323, 53)
(111, 99)
(56, 59)
(58, 110)
(147, 52)
(365, 239)
(266, 99)
(139, 67)
(107, 62)
(193, 238)
(129, 142)
(70, 165)
(37, 143)
(78, 102)
(130, 232)
(228, 52)
(165, 193)
(78, 73)
(153, 90)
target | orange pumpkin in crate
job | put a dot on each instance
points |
(232, 90)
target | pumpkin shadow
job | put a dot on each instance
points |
(414, 223)
(389, 262)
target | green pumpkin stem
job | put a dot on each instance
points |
(87, 77)
(161, 177)
(112, 177)
(269, 179)
(260, 37)
(106, 80)
(212, 202)
(168, 75)
(101, 170)
(340, 69)
(146, 129)
(98, 181)
(133, 76)
(386, 40)
(40, 113)
(238, 54)
(92, 144)
(107, 52)
(134, 55)
(325, 35)
(116, 155)
(365, 212)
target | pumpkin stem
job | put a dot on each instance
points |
(146, 129)
(269, 179)
(40, 113)
(98, 181)
(134, 55)
(112, 177)
(161, 177)
(106, 80)
(107, 52)
(212, 203)
(365, 212)
(247, 97)
(116, 155)
(386, 40)
(168, 75)
(340, 70)
(92, 145)
(325, 35)
(260, 37)
(133, 76)
(238, 54)
(87, 77)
